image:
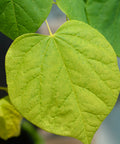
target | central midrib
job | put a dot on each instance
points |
(72, 88)
(15, 16)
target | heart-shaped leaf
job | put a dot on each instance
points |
(18, 17)
(10, 119)
(103, 15)
(66, 83)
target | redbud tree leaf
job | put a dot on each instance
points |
(66, 83)
(18, 17)
(103, 15)
(10, 119)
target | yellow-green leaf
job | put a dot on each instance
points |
(66, 83)
(10, 119)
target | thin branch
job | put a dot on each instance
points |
(54, 3)
(4, 89)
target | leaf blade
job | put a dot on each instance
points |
(17, 18)
(68, 85)
(10, 119)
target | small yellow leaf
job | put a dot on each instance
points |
(10, 119)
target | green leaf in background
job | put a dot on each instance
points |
(103, 15)
(18, 17)
(10, 119)
(66, 83)
(32, 132)
(73, 9)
